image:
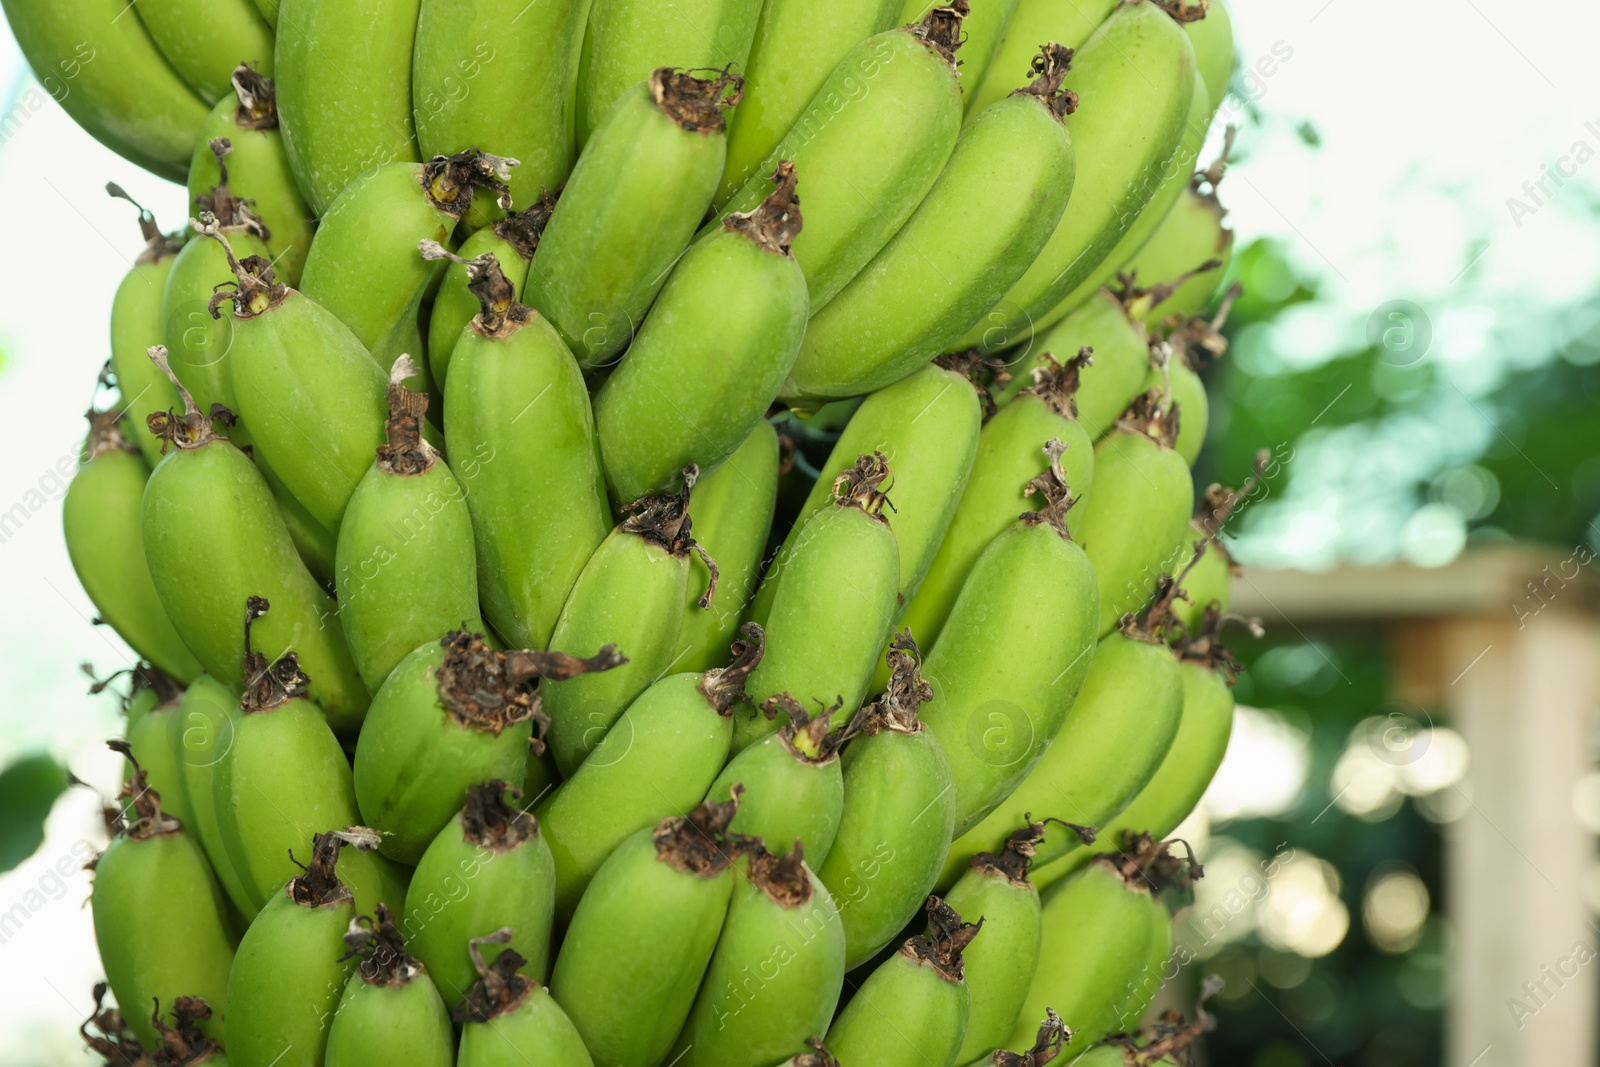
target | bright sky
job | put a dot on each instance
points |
(1431, 113)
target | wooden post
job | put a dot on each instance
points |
(1516, 670)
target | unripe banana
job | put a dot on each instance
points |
(363, 264)
(454, 713)
(390, 1011)
(284, 774)
(834, 607)
(201, 733)
(983, 223)
(926, 427)
(1167, 183)
(630, 595)
(1008, 665)
(291, 968)
(512, 241)
(656, 760)
(158, 916)
(899, 810)
(1190, 236)
(869, 145)
(206, 560)
(798, 43)
(778, 969)
(913, 1009)
(793, 784)
(1147, 983)
(406, 564)
(258, 168)
(136, 323)
(732, 508)
(101, 524)
(984, 29)
(999, 965)
(205, 40)
(1212, 37)
(639, 190)
(510, 1020)
(1010, 456)
(1120, 729)
(1112, 379)
(1134, 79)
(498, 75)
(344, 120)
(1137, 517)
(1192, 344)
(1032, 23)
(489, 867)
(1097, 940)
(643, 935)
(112, 79)
(149, 740)
(508, 362)
(627, 39)
(709, 360)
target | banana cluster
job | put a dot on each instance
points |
(636, 511)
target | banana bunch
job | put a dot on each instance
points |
(655, 533)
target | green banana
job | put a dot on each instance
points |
(927, 428)
(201, 733)
(149, 742)
(659, 902)
(656, 760)
(1009, 663)
(199, 340)
(1192, 343)
(290, 968)
(870, 145)
(390, 1010)
(363, 265)
(1097, 940)
(1144, 987)
(213, 537)
(512, 241)
(159, 918)
(1134, 79)
(1047, 1045)
(284, 775)
(258, 168)
(1192, 233)
(101, 524)
(406, 564)
(507, 361)
(732, 508)
(920, 992)
(1000, 964)
(793, 784)
(1001, 484)
(630, 594)
(627, 39)
(509, 1020)
(1138, 515)
(629, 210)
(709, 360)
(342, 121)
(136, 322)
(834, 608)
(499, 75)
(205, 39)
(304, 384)
(488, 866)
(1167, 184)
(1120, 729)
(984, 29)
(1205, 671)
(1206, 578)
(778, 969)
(797, 45)
(1212, 37)
(453, 714)
(269, 11)
(1032, 23)
(899, 810)
(980, 227)
(107, 73)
